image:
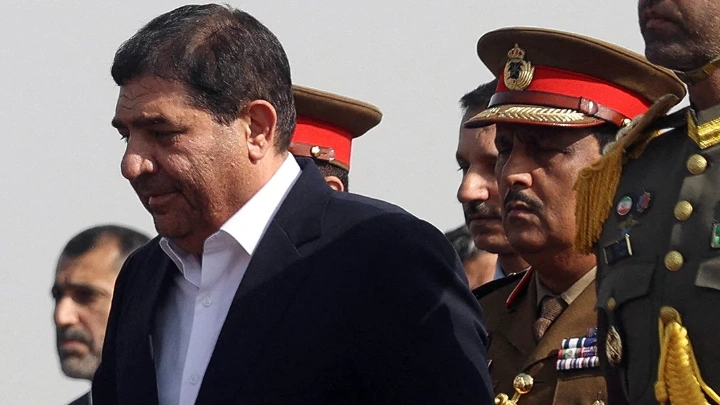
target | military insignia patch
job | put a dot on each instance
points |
(578, 353)
(618, 250)
(715, 237)
(613, 346)
(624, 205)
(518, 73)
(643, 202)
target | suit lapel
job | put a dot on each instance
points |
(573, 322)
(134, 343)
(267, 288)
(517, 325)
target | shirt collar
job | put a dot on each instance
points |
(248, 224)
(571, 293)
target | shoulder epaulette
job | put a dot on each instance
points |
(487, 288)
(596, 185)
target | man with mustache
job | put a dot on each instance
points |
(478, 192)
(659, 250)
(560, 100)
(83, 289)
(264, 285)
(480, 265)
(326, 126)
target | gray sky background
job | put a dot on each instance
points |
(60, 157)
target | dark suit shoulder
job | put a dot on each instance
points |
(83, 400)
(494, 300)
(494, 285)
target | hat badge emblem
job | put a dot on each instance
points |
(518, 73)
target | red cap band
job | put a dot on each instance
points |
(320, 133)
(558, 81)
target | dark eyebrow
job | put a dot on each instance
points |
(141, 122)
(56, 290)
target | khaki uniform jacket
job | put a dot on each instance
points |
(632, 291)
(513, 350)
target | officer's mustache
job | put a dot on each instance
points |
(478, 209)
(518, 196)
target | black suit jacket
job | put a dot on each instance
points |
(83, 400)
(347, 300)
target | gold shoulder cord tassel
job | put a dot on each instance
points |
(596, 185)
(679, 380)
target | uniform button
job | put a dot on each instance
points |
(523, 383)
(673, 260)
(207, 301)
(683, 210)
(696, 164)
(194, 379)
(611, 304)
(598, 402)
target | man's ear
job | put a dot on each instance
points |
(262, 123)
(335, 183)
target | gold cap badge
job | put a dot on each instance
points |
(518, 72)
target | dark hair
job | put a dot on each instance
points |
(480, 97)
(605, 134)
(463, 242)
(127, 239)
(224, 56)
(329, 169)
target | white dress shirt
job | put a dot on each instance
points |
(190, 317)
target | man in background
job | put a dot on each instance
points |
(478, 192)
(83, 289)
(327, 124)
(480, 265)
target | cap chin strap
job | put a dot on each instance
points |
(696, 76)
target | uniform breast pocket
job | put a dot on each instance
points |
(581, 387)
(708, 274)
(624, 282)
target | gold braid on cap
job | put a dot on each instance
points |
(596, 185)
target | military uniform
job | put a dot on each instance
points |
(513, 351)
(660, 248)
(556, 79)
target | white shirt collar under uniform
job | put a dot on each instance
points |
(189, 318)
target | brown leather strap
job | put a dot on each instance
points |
(696, 76)
(539, 98)
(316, 152)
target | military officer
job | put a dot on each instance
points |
(326, 126)
(659, 249)
(561, 98)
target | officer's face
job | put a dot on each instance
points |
(478, 192)
(536, 169)
(680, 34)
(83, 291)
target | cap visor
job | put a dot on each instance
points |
(532, 115)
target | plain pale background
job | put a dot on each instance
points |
(60, 157)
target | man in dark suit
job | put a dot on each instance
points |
(82, 290)
(265, 286)
(560, 99)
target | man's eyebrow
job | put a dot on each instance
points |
(141, 122)
(56, 289)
